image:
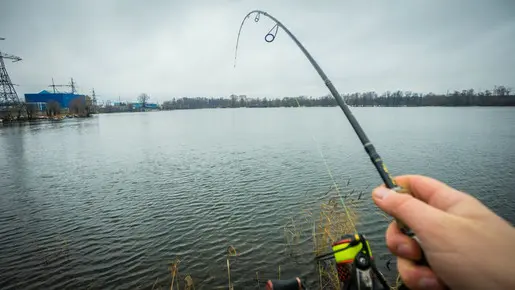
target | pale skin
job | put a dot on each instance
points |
(466, 244)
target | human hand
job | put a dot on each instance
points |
(466, 244)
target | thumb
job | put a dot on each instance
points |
(416, 214)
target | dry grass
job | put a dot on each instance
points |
(188, 283)
(329, 224)
(332, 224)
(231, 252)
(174, 271)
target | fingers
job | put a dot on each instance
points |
(401, 245)
(431, 191)
(416, 214)
(418, 277)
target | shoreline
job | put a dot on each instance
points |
(41, 119)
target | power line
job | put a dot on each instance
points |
(72, 84)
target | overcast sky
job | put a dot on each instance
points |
(186, 48)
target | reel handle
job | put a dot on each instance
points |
(290, 284)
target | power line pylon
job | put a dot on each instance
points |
(8, 96)
(72, 85)
(54, 86)
(94, 97)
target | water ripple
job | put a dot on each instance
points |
(108, 207)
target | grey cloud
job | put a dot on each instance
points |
(186, 48)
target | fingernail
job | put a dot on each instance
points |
(381, 193)
(403, 250)
(428, 283)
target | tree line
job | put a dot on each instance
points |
(499, 96)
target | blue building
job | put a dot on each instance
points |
(42, 98)
(151, 106)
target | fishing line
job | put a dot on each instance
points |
(270, 37)
(367, 145)
(330, 173)
(347, 211)
(369, 148)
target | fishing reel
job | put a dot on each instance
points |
(355, 265)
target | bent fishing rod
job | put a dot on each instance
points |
(367, 145)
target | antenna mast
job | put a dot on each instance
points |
(8, 96)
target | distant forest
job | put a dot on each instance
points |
(499, 96)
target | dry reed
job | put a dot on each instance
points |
(332, 221)
(329, 224)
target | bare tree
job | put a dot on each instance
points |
(31, 110)
(12, 112)
(53, 108)
(77, 106)
(81, 106)
(89, 106)
(168, 105)
(142, 99)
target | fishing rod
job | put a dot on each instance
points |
(367, 145)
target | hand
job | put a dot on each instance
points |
(466, 244)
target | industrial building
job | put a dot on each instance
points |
(150, 106)
(42, 98)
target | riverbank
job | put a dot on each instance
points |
(500, 96)
(42, 118)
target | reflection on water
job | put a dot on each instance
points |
(111, 201)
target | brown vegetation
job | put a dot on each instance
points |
(81, 107)
(31, 110)
(332, 221)
(53, 109)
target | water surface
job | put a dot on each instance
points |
(111, 201)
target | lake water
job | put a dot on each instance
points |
(111, 201)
